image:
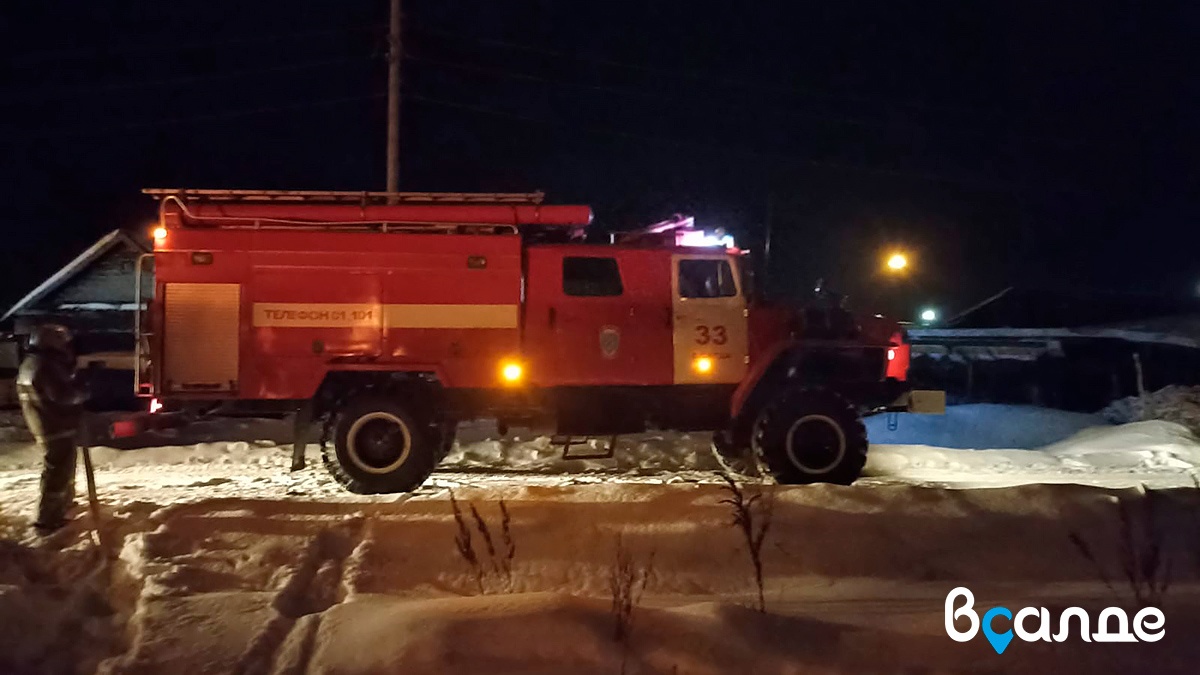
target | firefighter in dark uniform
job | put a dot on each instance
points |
(52, 401)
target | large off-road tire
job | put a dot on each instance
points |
(449, 431)
(381, 445)
(811, 436)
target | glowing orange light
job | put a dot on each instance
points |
(703, 364)
(897, 262)
(160, 234)
(512, 372)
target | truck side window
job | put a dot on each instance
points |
(591, 277)
(706, 279)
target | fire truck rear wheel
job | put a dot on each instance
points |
(811, 436)
(380, 446)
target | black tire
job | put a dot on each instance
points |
(449, 433)
(380, 445)
(811, 436)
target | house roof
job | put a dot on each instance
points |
(81, 262)
(1036, 308)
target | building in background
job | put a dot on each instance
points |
(1070, 350)
(95, 296)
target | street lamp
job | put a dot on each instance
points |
(897, 262)
(929, 315)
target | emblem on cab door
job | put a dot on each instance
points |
(610, 341)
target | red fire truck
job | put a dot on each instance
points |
(395, 316)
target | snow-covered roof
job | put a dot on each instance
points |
(1039, 308)
(81, 262)
(1182, 331)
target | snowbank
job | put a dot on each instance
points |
(1156, 454)
(1175, 403)
(552, 633)
(982, 425)
(855, 582)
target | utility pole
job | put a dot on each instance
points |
(766, 264)
(395, 50)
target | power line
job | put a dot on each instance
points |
(62, 92)
(695, 145)
(61, 132)
(823, 118)
(839, 120)
(959, 114)
(700, 76)
(87, 52)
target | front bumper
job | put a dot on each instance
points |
(892, 395)
(920, 401)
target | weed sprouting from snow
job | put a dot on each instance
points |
(463, 543)
(496, 575)
(1194, 516)
(627, 580)
(751, 514)
(506, 538)
(486, 534)
(1144, 561)
(1141, 553)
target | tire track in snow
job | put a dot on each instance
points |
(318, 582)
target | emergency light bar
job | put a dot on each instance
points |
(679, 230)
(704, 239)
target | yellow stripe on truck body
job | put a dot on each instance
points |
(354, 315)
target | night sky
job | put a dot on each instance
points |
(1000, 142)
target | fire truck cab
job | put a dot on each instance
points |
(392, 317)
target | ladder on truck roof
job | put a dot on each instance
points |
(450, 212)
(364, 197)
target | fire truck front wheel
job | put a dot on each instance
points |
(380, 446)
(811, 436)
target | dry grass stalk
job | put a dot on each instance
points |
(751, 515)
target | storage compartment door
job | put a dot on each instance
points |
(200, 337)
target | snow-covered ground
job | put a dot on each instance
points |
(250, 458)
(855, 581)
(987, 445)
(231, 564)
(981, 426)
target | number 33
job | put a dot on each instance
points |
(715, 335)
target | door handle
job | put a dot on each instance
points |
(552, 317)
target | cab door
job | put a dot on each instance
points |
(709, 334)
(597, 316)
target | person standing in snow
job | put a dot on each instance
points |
(52, 402)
